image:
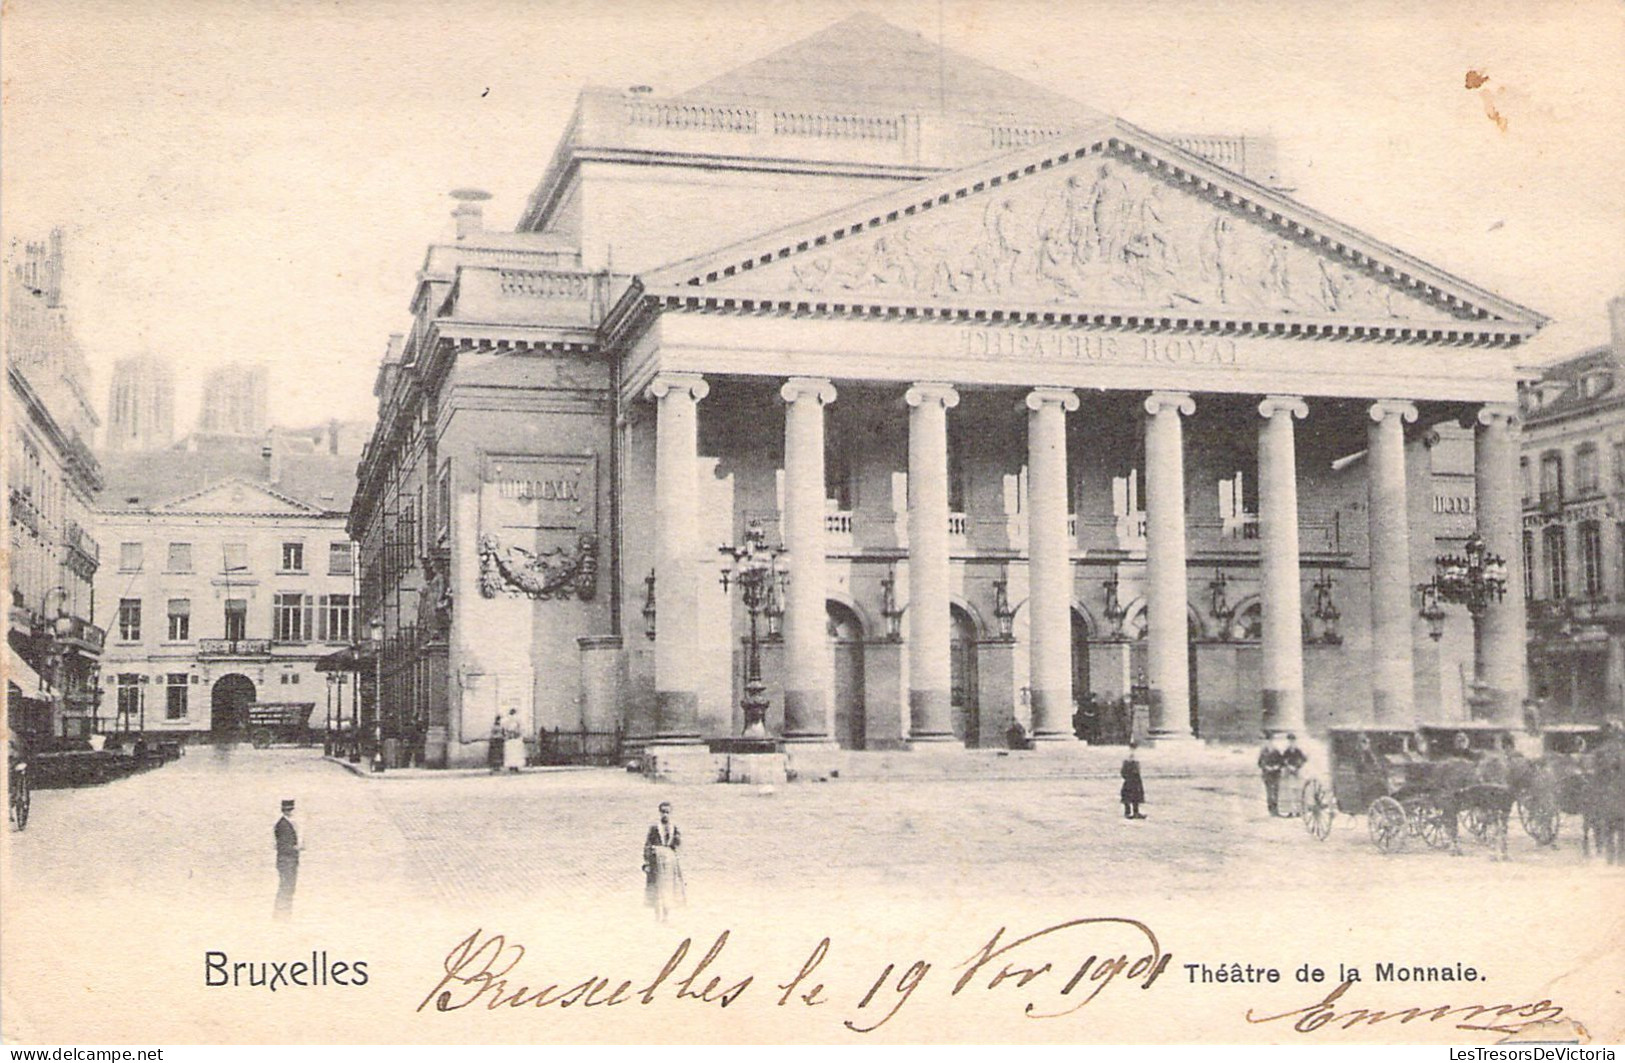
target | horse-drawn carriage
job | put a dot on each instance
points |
(1410, 784)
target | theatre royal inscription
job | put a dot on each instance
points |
(1000, 344)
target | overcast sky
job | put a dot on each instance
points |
(245, 181)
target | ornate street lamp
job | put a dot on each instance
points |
(1114, 611)
(758, 569)
(1221, 608)
(1473, 579)
(1005, 615)
(649, 605)
(1326, 610)
(888, 605)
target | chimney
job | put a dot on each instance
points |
(332, 435)
(468, 214)
(271, 452)
(1616, 327)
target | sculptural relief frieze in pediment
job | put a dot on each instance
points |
(1099, 232)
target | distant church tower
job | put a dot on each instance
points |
(141, 404)
(234, 401)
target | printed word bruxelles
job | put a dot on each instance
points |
(996, 343)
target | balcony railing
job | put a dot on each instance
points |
(838, 522)
(233, 647)
(79, 539)
(77, 631)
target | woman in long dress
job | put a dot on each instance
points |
(1132, 793)
(513, 744)
(499, 736)
(663, 887)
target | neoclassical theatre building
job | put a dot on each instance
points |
(1041, 408)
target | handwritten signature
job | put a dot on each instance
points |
(1051, 972)
(1495, 1018)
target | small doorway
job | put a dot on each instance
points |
(846, 671)
(228, 706)
(962, 677)
(1080, 658)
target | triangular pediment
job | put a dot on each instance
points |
(237, 497)
(1105, 219)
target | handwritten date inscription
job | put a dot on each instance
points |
(1047, 974)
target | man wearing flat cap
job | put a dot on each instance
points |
(287, 861)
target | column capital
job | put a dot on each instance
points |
(1159, 401)
(1292, 405)
(1498, 414)
(1383, 409)
(924, 392)
(808, 387)
(1066, 398)
(693, 385)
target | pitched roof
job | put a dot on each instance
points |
(864, 63)
(323, 482)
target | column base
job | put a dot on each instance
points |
(675, 714)
(686, 763)
(1282, 712)
(930, 716)
(1052, 716)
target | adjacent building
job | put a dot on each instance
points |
(54, 643)
(1038, 405)
(229, 574)
(1573, 468)
(235, 402)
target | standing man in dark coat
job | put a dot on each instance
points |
(1293, 758)
(1133, 792)
(1270, 765)
(287, 861)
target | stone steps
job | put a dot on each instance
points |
(1071, 762)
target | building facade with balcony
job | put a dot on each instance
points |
(1573, 467)
(1039, 406)
(228, 575)
(54, 641)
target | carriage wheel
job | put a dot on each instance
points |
(1540, 818)
(261, 738)
(1479, 823)
(21, 798)
(1386, 820)
(1317, 810)
(1428, 821)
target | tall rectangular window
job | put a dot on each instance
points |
(442, 508)
(180, 619)
(180, 557)
(1526, 477)
(129, 698)
(1557, 565)
(129, 557)
(234, 557)
(129, 619)
(1551, 479)
(1529, 566)
(340, 559)
(293, 557)
(1587, 480)
(840, 488)
(290, 620)
(175, 697)
(236, 619)
(957, 489)
(333, 618)
(1591, 557)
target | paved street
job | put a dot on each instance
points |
(200, 829)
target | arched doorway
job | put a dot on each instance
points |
(962, 676)
(846, 672)
(228, 706)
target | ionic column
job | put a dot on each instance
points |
(1166, 600)
(676, 569)
(930, 705)
(1281, 590)
(1393, 694)
(1049, 564)
(1502, 637)
(806, 653)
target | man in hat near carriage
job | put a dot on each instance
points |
(288, 846)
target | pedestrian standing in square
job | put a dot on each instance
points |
(513, 744)
(663, 886)
(1293, 758)
(494, 755)
(287, 861)
(1132, 793)
(1270, 766)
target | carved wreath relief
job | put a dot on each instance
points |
(543, 576)
(1107, 233)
